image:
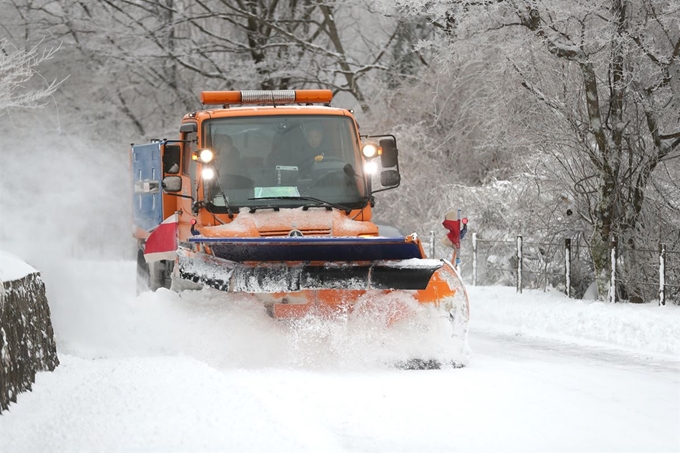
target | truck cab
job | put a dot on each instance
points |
(285, 153)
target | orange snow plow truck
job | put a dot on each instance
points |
(269, 194)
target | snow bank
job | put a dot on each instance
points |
(644, 327)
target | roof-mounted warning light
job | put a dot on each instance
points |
(273, 97)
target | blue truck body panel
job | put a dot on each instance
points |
(147, 194)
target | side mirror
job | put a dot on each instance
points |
(389, 179)
(172, 183)
(386, 175)
(389, 152)
(171, 159)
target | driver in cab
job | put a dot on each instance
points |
(314, 136)
(300, 147)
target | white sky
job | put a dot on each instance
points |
(12, 267)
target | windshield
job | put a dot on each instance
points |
(265, 161)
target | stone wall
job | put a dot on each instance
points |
(27, 342)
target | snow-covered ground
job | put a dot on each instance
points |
(166, 372)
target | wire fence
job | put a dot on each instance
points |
(645, 274)
(640, 275)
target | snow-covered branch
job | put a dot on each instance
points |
(17, 72)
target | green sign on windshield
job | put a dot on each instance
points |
(276, 191)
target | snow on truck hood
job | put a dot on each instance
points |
(312, 222)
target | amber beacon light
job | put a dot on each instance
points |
(266, 97)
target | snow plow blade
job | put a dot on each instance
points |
(384, 280)
(273, 265)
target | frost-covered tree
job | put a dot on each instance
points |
(149, 59)
(19, 87)
(608, 71)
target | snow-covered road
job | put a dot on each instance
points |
(568, 397)
(164, 373)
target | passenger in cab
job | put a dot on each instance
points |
(228, 155)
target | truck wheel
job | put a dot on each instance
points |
(143, 274)
(164, 273)
(419, 364)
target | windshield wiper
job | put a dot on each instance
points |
(220, 191)
(255, 208)
(318, 202)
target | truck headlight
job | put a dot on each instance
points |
(208, 173)
(371, 167)
(206, 155)
(371, 150)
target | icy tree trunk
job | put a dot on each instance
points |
(599, 253)
(27, 342)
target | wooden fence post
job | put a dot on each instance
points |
(612, 281)
(432, 251)
(662, 274)
(519, 264)
(567, 267)
(474, 259)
